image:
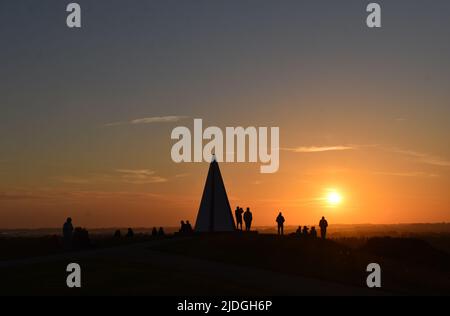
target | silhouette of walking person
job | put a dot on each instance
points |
(323, 224)
(280, 220)
(67, 233)
(248, 218)
(238, 214)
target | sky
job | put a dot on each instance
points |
(84, 112)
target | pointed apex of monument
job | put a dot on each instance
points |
(214, 214)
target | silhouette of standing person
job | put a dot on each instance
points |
(189, 229)
(182, 228)
(280, 220)
(313, 233)
(238, 213)
(248, 217)
(67, 232)
(323, 224)
(130, 233)
(305, 231)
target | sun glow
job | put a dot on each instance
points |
(333, 198)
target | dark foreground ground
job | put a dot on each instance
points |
(237, 264)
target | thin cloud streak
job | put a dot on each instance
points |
(422, 157)
(74, 195)
(150, 120)
(318, 149)
(419, 174)
(142, 176)
(17, 196)
(131, 176)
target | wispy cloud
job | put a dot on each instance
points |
(131, 176)
(422, 157)
(318, 149)
(418, 174)
(150, 120)
(18, 195)
(88, 179)
(142, 176)
(136, 172)
(15, 196)
(182, 175)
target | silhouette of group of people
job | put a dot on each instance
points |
(74, 237)
(305, 232)
(323, 224)
(186, 228)
(158, 232)
(129, 234)
(246, 217)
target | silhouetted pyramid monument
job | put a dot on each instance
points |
(215, 213)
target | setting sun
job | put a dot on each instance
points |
(334, 198)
